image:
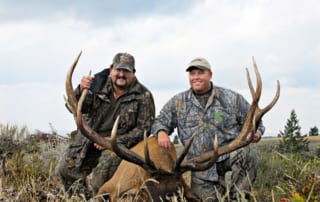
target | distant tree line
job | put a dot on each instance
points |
(314, 131)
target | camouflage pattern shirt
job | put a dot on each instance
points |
(223, 115)
(135, 107)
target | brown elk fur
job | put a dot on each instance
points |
(129, 177)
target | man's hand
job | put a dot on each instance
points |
(164, 140)
(99, 147)
(85, 82)
(256, 137)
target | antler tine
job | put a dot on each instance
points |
(126, 154)
(252, 92)
(274, 101)
(261, 112)
(255, 94)
(75, 108)
(80, 103)
(183, 153)
(71, 98)
(258, 79)
(243, 139)
(198, 163)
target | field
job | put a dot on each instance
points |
(288, 176)
(273, 142)
(27, 171)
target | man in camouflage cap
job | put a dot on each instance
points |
(112, 92)
(207, 110)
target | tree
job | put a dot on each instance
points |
(292, 140)
(314, 131)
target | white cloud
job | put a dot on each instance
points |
(35, 55)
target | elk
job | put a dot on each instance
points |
(149, 172)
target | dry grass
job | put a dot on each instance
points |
(288, 177)
(28, 172)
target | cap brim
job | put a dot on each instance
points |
(190, 68)
(124, 66)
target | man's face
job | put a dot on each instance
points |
(200, 80)
(121, 78)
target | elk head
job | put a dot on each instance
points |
(169, 181)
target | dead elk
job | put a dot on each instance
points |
(152, 173)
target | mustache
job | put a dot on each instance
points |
(121, 77)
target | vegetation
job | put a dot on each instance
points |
(314, 131)
(287, 177)
(27, 169)
(292, 140)
(27, 164)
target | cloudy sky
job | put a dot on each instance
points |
(40, 39)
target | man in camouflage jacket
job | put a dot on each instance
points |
(119, 93)
(207, 110)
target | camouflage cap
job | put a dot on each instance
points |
(199, 63)
(123, 61)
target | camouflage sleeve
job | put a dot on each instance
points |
(167, 119)
(87, 104)
(243, 108)
(145, 118)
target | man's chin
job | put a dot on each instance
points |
(122, 86)
(197, 88)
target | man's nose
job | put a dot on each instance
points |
(121, 71)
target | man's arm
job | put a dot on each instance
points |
(163, 139)
(164, 124)
(145, 118)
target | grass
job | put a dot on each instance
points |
(287, 176)
(27, 170)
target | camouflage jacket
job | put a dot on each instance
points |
(136, 109)
(224, 115)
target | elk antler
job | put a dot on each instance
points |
(183, 166)
(76, 106)
(253, 119)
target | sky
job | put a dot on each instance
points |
(40, 40)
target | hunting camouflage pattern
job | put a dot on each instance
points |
(137, 111)
(223, 115)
